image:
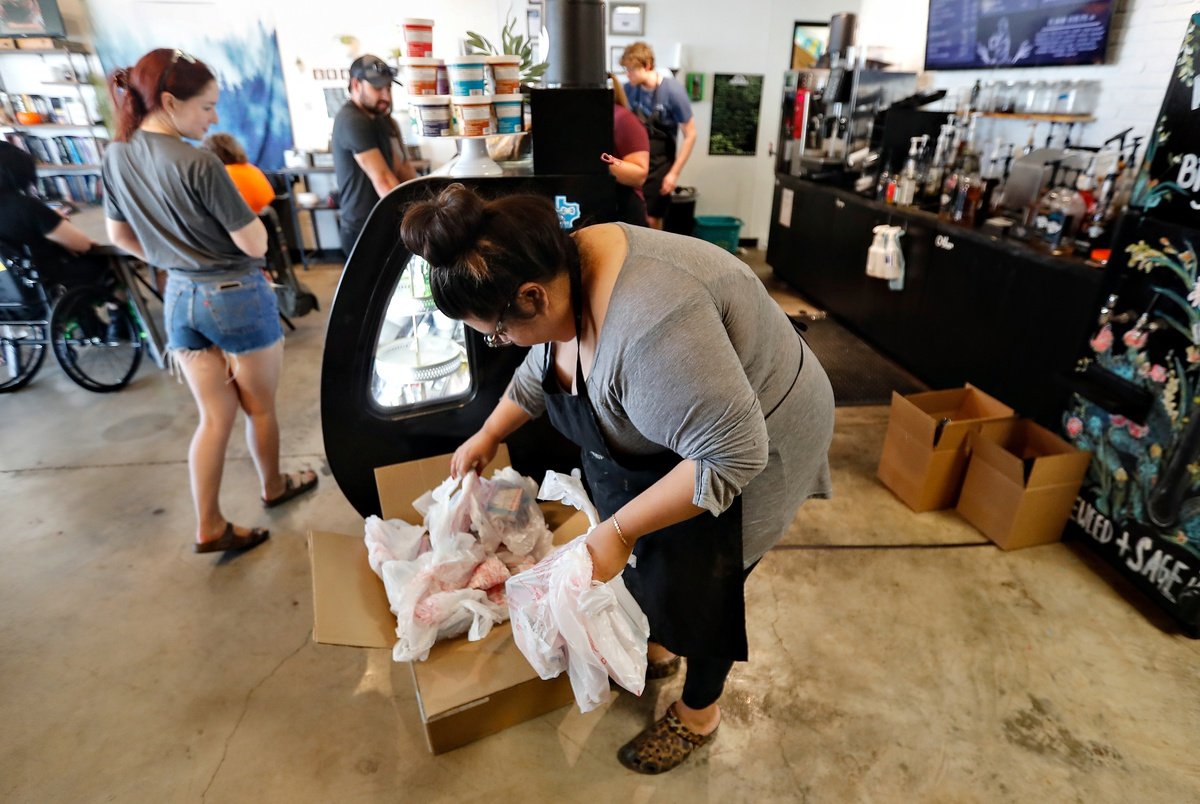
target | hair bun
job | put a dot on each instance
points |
(442, 229)
(120, 77)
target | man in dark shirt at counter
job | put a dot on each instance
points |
(368, 152)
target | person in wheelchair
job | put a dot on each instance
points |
(58, 248)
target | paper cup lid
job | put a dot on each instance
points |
(471, 100)
(466, 59)
(419, 61)
(418, 22)
(509, 59)
(516, 98)
(428, 100)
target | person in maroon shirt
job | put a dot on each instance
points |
(631, 146)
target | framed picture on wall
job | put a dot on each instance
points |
(627, 19)
(809, 41)
(614, 59)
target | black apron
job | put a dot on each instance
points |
(689, 578)
(662, 142)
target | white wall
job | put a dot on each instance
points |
(752, 37)
(716, 36)
(730, 37)
(1145, 39)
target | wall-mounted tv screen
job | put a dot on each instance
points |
(979, 34)
(31, 18)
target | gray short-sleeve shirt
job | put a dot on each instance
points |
(179, 201)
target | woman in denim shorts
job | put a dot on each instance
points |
(175, 207)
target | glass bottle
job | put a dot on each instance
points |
(937, 165)
(906, 189)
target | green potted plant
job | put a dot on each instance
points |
(511, 44)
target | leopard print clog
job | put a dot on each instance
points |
(663, 746)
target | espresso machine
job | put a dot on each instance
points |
(829, 111)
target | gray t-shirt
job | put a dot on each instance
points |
(356, 132)
(692, 355)
(179, 201)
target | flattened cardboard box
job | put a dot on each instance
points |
(1021, 483)
(923, 458)
(466, 690)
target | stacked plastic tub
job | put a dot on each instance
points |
(460, 96)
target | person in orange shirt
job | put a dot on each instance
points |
(249, 180)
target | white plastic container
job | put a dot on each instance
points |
(467, 75)
(432, 113)
(472, 115)
(509, 113)
(420, 75)
(418, 37)
(505, 74)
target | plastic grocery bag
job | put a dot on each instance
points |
(447, 577)
(569, 489)
(562, 619)
(392, 540)
(505, 514)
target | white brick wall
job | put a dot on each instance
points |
(1144, 41)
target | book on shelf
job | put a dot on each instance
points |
(81, 189)
(65, 150)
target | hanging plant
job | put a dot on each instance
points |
(511, 44)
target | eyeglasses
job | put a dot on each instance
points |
(499, 337)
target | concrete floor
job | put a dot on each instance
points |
(133, 670)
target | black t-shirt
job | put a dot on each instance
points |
(25, 221)
(356, 132)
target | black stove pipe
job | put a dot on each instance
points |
(574, 46)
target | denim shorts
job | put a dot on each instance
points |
(237, 314)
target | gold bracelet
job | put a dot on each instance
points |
(620, 535)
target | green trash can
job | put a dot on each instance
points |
(723, 230)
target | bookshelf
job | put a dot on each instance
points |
(53, 86)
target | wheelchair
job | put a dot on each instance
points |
(93, 329)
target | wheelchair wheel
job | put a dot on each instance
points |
(95, 339)
(22, 350)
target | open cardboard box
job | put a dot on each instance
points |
(1021, 483)
(923, 458)
(466, 690)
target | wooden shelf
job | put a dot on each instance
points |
(47, 169)
(68, 49)
(1040, 118)
(52, 127)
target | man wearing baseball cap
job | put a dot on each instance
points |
(368, 152)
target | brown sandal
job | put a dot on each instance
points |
(663, 669)
(293, 488)
(663, 746)
(230, 540)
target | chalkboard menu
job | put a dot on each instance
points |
(970, 34)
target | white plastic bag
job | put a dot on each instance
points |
(391, 540)
(569, 489)
(562, 619)
(504, 512)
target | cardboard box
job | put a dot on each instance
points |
(465, 690)
(924, 453)
(1021, 483)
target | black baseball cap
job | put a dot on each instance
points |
(374, 70)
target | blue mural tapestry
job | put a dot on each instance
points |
(237, 41)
